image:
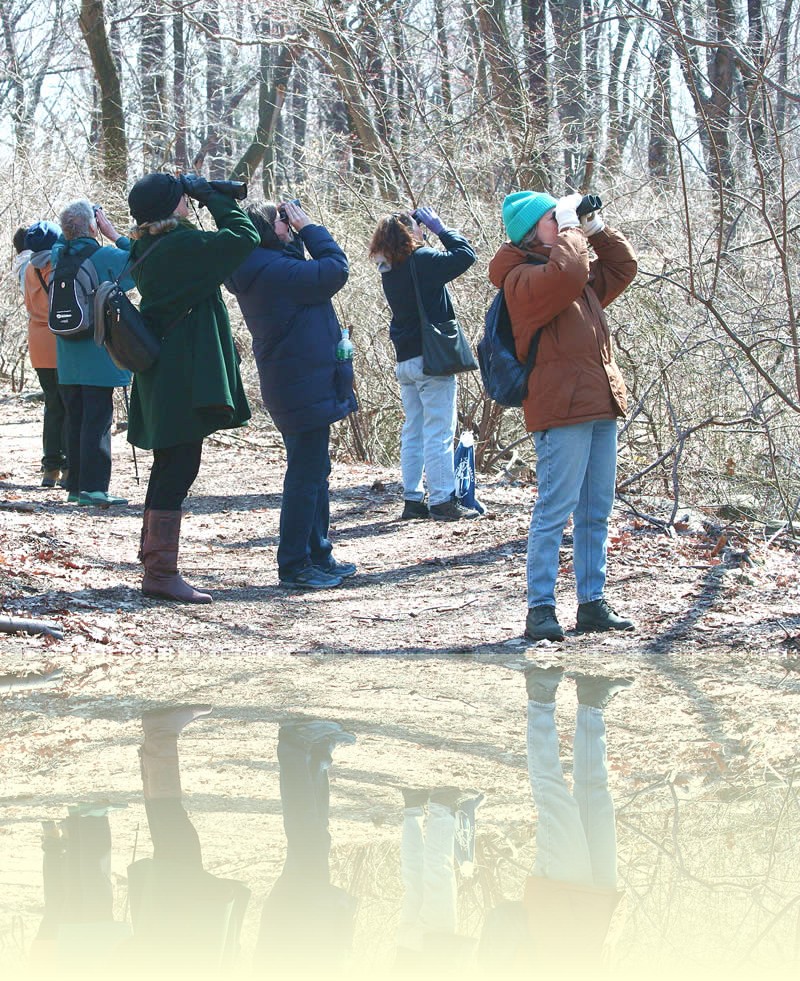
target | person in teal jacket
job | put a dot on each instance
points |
(86, 374)
(194, 388)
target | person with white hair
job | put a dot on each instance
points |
(86, 373)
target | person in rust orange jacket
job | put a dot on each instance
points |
(575, 394)
(40, 238)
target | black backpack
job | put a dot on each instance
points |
(72, 287)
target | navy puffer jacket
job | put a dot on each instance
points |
(286, 304)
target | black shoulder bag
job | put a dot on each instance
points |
(445, 349)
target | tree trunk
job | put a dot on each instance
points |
(114, 147)
(151, 72)
(660, 136)
(179, 91)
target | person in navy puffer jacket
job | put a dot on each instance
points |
(285, 300)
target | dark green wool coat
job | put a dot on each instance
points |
(195, 387)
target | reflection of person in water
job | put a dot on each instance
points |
(306, 923)
(431, 846)
(183, 917)
(567, 917)
(78, 927)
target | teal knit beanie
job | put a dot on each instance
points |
(522, 211)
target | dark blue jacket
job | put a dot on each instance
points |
(286, 304)
(434, 269)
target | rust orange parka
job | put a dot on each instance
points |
(563, 294)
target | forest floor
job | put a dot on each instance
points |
(421, 656)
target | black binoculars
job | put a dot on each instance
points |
(589, 203)
(282, 211)
(234, 189)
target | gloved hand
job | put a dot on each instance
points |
(197, 187)
(592, 223)
(428, 217)
(566, 216)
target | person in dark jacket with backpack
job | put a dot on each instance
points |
(86, 374)
(429, 402)
(194, 388)
(286, 303)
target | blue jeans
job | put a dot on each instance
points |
(576, 839)
(428, 872)
(426, 443)
(576, 470)
(305, 513)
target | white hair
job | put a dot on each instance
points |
(76, 219)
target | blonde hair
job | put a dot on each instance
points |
(154, 227)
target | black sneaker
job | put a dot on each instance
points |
(50, 478)
(414, 509)
(310, 578)
(308, 733)
(598, 616)
(541, 624)
(452, 511)
(335, 568)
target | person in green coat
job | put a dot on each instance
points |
(194, 388)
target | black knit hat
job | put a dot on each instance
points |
(154, 197)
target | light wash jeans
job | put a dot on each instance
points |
(576, 470)
(576, 838)
(426, 443)
(427, 869)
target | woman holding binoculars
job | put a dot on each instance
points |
(553, 289)
(194, 388)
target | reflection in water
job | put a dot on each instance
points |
(709, 865)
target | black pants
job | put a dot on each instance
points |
(54, 427)
(77, 875)
(90, 410)
(306, 923)
(173, 473)
(175, 841)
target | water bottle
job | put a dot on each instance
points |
(344, 349)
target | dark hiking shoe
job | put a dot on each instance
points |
(452, 511)
(598, 616)
(311, 733)
(541, 683)
(310, 578)
(50, 478)
(414, 509)
(415, 796)
(598, 690)
(541, 624)
(341, 569)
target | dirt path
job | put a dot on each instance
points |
(420, 656)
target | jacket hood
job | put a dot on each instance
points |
(242, 279)
(40, 259)
(20, 260)
(508, 257)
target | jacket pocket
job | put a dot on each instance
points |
(556, 393)
(343, 380)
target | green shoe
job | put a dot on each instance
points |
(73, 498)
(100, 499)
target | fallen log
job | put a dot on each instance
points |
(11, 625)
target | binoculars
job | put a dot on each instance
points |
(589, 203)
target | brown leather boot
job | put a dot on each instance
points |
(160, 557)
(143, 535)
(158, 754)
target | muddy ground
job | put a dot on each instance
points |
(421, 656)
